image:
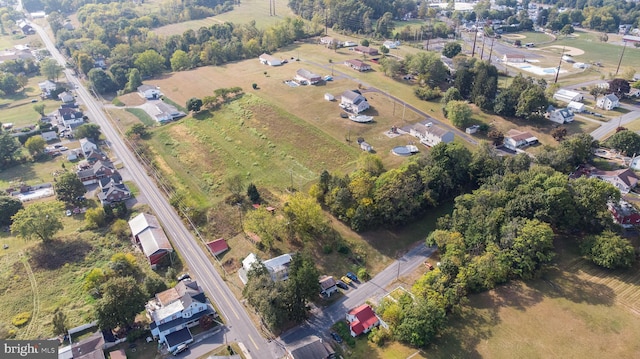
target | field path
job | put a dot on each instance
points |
(36, 297)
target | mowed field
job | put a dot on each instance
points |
(575, 310)
(246, 11)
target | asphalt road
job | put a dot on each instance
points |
(320, 323)
(240, 327)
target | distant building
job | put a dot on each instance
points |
(366, 50)
(576, 107)
(560, 115)
(608, 102)
(391, 44)
(267, 59)
(515, 139)
(329, 41)
(568, 96)
(358, 65)
(515, 58)
(149, 92)
(624, 179)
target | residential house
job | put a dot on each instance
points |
(267, 59)
(608, 102)
(166, 112)
(9, 55)
(71, 118)
(361, 320)
(87, 146)
(327, 285)
(576, 107)
(146, 232)
(91, 174)
(66, 97)
(391, 44)
(68, 26)
(89, 348)
(358, 65)
(624, 179)
(366, 50)
(353, 101)
(329, 41)
(513, 58)
(26, 28)
(94, 156)
(568, 96)
(308, 76)
(515, 139)
(624, 213)
(47, 87)
(49, 136)
(69, 105)
(277, 267)
(430, 134)
(112, 190)
(149, 92)
(173, 311)
(349, 44)
(311, 347)
(218, 246)
(560, 115)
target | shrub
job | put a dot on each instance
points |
(116, 101)
(428, 93)
(363, 274)
(254, 86)
(21, 319)
(327, 249)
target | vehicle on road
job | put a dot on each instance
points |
(346, 279)
(342, 285)
(183, 277)
(352, 276)
(336, 337)
(64, 148)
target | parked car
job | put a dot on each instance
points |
(34, 100)
(352, 276)
(184, 276)
(336, 337)
(345, 279)
(180, 349)
(428, 265)
(342, 285)
(64, 148)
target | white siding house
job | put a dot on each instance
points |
(353, 102)
(561, 116)
(431, 135)
(267, 59)
(608, 102)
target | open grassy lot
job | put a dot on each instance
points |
(18, 109)
(247, 10)
(32, 172)
(529, 36)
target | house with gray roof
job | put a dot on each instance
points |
(173, 311)
(353, 101)
(560, 115)
(430, 134)
(147, 233)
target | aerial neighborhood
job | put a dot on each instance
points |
(416, 179)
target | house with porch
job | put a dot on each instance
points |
(361, 320)
(515, 139)
(147, 233)
(353, 101)
(430, 134)
(358, 65)
(173, 311)
(113, 190)
(623, 179)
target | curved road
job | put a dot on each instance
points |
(239, 325)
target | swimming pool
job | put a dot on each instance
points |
(549, 71)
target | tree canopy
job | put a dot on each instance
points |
(38, 220)
(627, 142)
(88, 130)
(69, 187)
(609, 250)
(9, 206)
(121, 301)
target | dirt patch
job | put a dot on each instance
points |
(571, 51)
(514, 36)
(132, 99)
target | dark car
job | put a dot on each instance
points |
(336, 337)
(352, 276)
(342, 285)
(184, 276)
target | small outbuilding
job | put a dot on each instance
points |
(576, 107)
(49, 136)
(267, 59)
(218, 246)
(329, 97)
(568, 96)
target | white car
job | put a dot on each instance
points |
(180, 349)
(68, 213)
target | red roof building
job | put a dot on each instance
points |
(624, 214)
(362, 319)
(218, 246)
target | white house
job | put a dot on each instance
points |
(515, 139)
(267, 59)
(568, 96)
(608, 102)
(329, 41)
(150, 92)
(576, 107)
(87, 146)
(47, 87)
(66, 97)
(431, 135)
(561, 115)
(175, 310)
(353, 101)
(166, 112)
(391, 44)
(327, 285)
(277, 267)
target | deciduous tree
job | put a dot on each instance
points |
(88, 130)
(69, 188)
(35, 145)
(451, 49)
(39, 220)
(8, 207)
(194, 104)
(149, 63)
(122, 300)
(609, 250)
(50, 69)
(459, 113)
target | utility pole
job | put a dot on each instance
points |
(559, 63)
(620, 61)
(274, 7)
(270, 11)
(491, 49)
(482, 51)
(473, 51)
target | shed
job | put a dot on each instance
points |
(366, 147)
(267, 59)
(472, 129)
(218, 246)
(329, 97)
(567, 96)
(576, 107)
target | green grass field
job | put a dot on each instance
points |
(142, 116)
(32, 172)
(246, 11)
(596, 51)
